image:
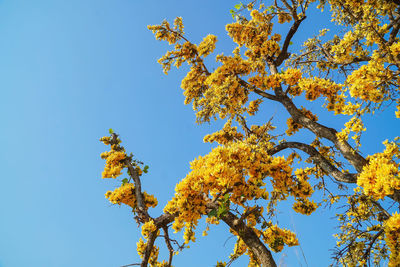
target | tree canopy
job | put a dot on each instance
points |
(255, 165)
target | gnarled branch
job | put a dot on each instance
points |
(318, 159)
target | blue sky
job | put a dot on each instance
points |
(69, 71)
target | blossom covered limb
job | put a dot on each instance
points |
(329, 133)
(149, 248)
(319, 159)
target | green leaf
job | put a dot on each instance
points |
(238, 6)
(111, 131)
(146, 169)
(290, 43)
(232, 11)
(124, 181)
(222, 210)
(226, 197)
(212, 213)
(270, 8)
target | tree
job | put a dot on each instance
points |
(254, 167)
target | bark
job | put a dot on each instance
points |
(320, 130)
(318, 159)
(251, 240)
(284, 54)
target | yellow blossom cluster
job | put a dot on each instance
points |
(189, 234)
(355, 125)
(276, 238)
(281, 171)
(207, 46)
(348, 48)
(105, 140)
(239, 249)
(289, 77)
(220, 92)
(252, 33)
(147, 228)
(224, 92)
(114, 160)
(392, 238)
(380, 177)
(255, 35)
(186, 52)
(114, 163)
(395, 49)
(302, 188)
(253, 106)
(238, 168)
(266, 81)
(284, 17)
(141, 248)
(194, 85)
(225, 168)
(126, 194)
(315, 87)
(164, 32)
(366, 82)
(226, 135)
(212, 220)
(304, 206)
(397, 112)
(205, 232)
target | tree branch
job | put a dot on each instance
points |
(169, 246)
(256, 90)
(283, 54)
(251, 240)
(142, 212)
(318, 129)
(318, 159)
(149, 248)
(370, 245)
(248, 236)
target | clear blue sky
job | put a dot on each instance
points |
(69, 70)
